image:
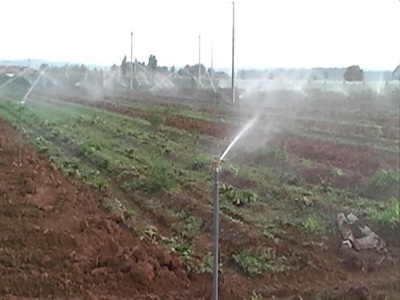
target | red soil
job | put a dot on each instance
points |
(56, 242)
(360, 160)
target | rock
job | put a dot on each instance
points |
(346, 245)
(164, 257)
(139, 254)
(83, 225)
(352, 218)
(176, 263)
(142, 273)
(108, 254)
(99, 272)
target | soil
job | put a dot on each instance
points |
(57, 242)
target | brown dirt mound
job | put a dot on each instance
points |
(56, 242)
(358, 159)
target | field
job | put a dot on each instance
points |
(114, 195)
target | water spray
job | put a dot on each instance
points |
(21, 105)
(217, 168)
(12, 79)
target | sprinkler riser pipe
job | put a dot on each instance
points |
(20, 136)
(216, 233)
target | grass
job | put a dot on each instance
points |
(151, 167)
(385, 179)
(389, 215)
(258, 261)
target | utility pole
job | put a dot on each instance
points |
(199, 60)
(233, 52)
(131, 85)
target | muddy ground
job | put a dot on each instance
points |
(57, 242)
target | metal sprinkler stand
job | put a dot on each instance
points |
(217, 168)
(21, 105)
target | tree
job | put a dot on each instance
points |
(353, 73)
(152, 64)
(123, 66)
(43, 66)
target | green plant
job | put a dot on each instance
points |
(199, 162)
(384, 179)
(129, 214)
(155, 120)
(338, 171)
(151, 233)
(312, 225)
(178, 244)
(281, 153)
(325, 187)
(273, 233)
(207, 263)
(260, 260)
(378, 131)
(255, 296)
(193, 226)
(129, 186)
(238, 198)
(161, 175)
(389, 216)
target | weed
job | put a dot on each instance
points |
(273, 233)
(378, 131)
(277, 154)
(389, 216)
(199, 163)
(207, 263)
(281, 154)
(255, 296)
(259, 261)
(112, 205)
(193, 226)
(337, 171)
(325, 187)
(161, 175)
(384, 179)
(177, 244)
(130, 153)
(129, 214)
(70, 166)
(151, 233)
(129, 186)
(237, 198)
(155, 120)
(312, 225)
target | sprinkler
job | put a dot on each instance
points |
(216, 166)
(21, 105)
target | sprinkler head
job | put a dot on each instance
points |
(216, 164)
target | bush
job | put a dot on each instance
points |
(384, 179)
(389, 216)
(156, 120)
(161, 175)
(259, 261)
(199, 163)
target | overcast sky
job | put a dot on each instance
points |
(269, 33)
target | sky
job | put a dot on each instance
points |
(268, 33)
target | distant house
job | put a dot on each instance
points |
(11, 71)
